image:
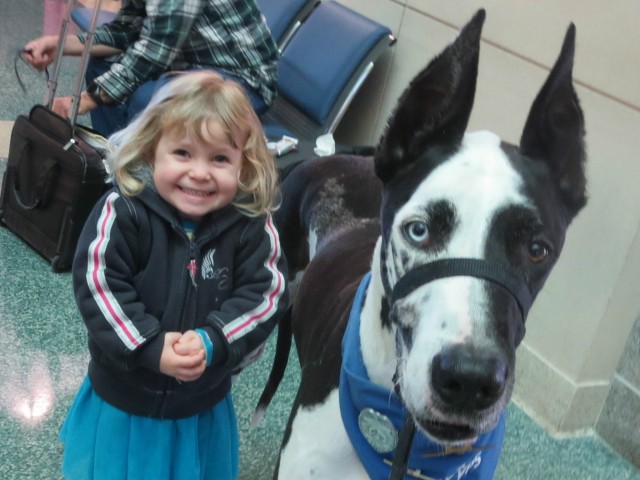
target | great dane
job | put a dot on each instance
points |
(422, 264)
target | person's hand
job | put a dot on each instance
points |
(62, 105)
(189, 343)
(185, 368)
(41, 52)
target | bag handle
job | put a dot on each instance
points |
(44, 183)
(52, 83)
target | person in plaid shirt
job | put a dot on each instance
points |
(149, 38)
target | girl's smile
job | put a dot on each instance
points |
(196, 193)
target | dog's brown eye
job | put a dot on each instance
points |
(417, 232)
(538, 252)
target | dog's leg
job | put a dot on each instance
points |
(315, 443)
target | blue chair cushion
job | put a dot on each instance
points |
(82, 16)
(323, 55)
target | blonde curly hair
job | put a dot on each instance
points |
(185, 105)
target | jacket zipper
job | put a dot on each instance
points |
(192, 268)
(192, 265)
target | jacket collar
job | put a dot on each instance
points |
(213, 224)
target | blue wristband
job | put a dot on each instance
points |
(208, 345)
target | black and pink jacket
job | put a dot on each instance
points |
(137, 275)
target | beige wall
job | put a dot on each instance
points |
(581, 320)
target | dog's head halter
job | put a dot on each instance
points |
(471, 267)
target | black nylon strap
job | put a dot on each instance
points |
(403, 449)
(468, 267)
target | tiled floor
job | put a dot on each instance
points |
(43, 355)
(43, 359)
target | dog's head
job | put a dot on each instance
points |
(449, 194)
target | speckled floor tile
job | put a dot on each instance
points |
(43, 359)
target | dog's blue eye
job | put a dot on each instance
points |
(417, 232)
(538, 252)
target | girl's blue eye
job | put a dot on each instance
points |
(181, 152)
(220, 159)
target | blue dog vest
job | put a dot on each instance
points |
(373, 417)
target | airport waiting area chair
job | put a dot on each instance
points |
(322, 68)
(328, 50)
(284, 17)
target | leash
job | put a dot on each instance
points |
(16, 59)
(400, 463)
(403, 448)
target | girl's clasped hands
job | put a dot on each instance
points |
(183, 356)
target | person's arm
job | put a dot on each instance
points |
(260, 298)
(109, 39)
(122, 31)
(165, 27)
(73, 46)
(41, 52)
(103, 272)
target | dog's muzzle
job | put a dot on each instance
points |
(501, 275)
(470, 267)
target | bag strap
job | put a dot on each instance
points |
(43, 185)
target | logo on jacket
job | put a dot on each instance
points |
(209, 272)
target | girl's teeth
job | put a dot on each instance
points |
(195, 192)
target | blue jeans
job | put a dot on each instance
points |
(107, 119)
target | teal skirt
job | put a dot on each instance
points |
(102, 442)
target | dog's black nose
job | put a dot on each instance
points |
(468, 379)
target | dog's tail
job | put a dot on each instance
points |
(280, 360)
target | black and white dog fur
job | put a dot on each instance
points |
(430, 192)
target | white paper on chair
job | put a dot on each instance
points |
(325, 145)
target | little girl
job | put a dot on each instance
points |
(179, 279)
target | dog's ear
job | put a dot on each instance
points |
(554, 131)
(434, 110)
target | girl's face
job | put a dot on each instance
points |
(197, 177)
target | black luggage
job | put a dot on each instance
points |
(55, 173)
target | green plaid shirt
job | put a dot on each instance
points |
(161, 35)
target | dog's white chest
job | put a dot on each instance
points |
(319, 447)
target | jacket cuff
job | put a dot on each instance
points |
(220, 346)
(208, 345)
(149, 354)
